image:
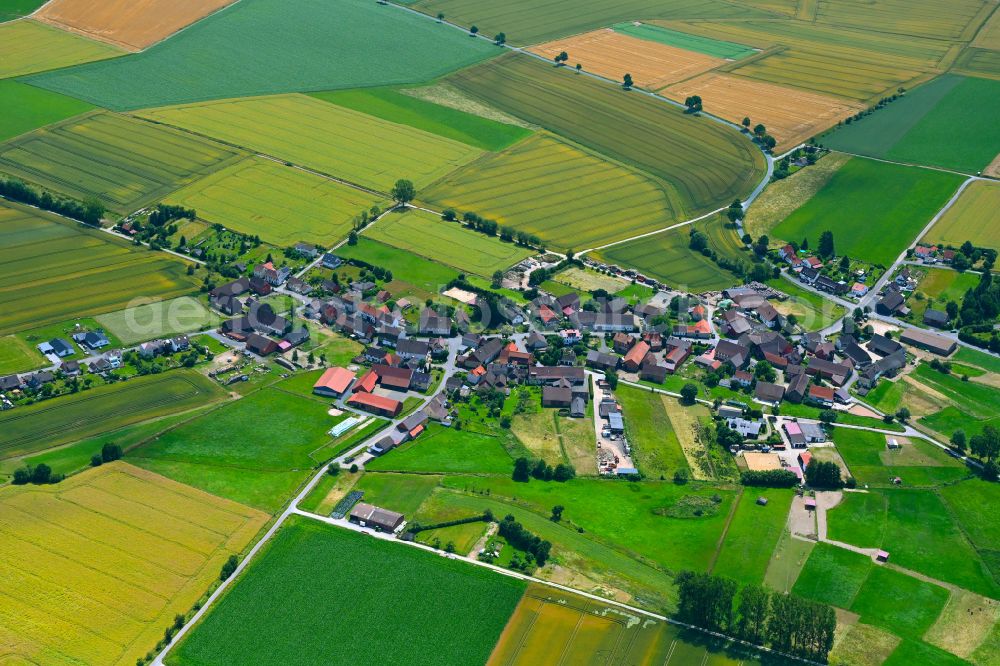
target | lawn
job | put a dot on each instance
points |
(977, 358)
(58, 270)
(640, 524)
(425, 275)
(27, 47)
(17, 356)
(272, 616)
(917, 463)
(77, 416)
(124, 162)
(753, 535)
(28, 108)
(914, 652)
(449, 243)
(667, 257)
(224, 450)
(331, 139)
(974, 503)
(404, 493)
(441, 449)
(833, 576)
(281, 204)
(656, 447)
(813, 311)
(160, 319)
(97, 566)
(529, 22)
(973, 218)
(881, 198)
(398, 107)
(941, 285)
(568, 197)
(437, 509)
(705, 164)
(937, 124)
(264, 47)
(905, 606)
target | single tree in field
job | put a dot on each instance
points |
(561, 59)
(805, 244)
(689, 392)
(473, 31)
(759, 130)
(627, 82)
(579, 68)
(403, 191)
(826, 249)
(958, 440)
(440, 17)
(746, 123)
(500, 39)
(693, 104)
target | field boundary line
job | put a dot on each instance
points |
(909, 164)
(725, 529)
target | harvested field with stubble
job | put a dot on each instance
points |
(707, 164)
(27, 47)
(282, 205)
(609, 53)
(129, 24)
(97, 566)
(331, 139)
(791, 115)
(566, 196)
(124, 162)
(58, 270)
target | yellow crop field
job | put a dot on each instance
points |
(791, 115)
(612, 54)
(836, 61)
(332, 139)
(955, 19)
(27, 47)
(975, 217)
(96, 567)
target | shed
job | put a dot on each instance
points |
(616, 422)
(882, 556)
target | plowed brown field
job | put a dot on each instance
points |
(612, 54)
(790, 115)
(131, 24)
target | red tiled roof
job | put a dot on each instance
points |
(376, 401)
(637, 353)
(367, 383)
(335, 379)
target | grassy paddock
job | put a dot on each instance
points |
(885, 197)
(783, 197)
(99, 564)
(27, 47)
(450, 243)
(657, 449)
(833, 576)
(59, 270)
(265, 47)
(427, 276)
(753, 535)
(441, 449)
(99, 410)
(903, 605)
(159, 319)
(252, 622)
(27, 108)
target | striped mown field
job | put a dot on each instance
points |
(97, 566)
(566, 196)
(707, 164)
(955, 19)
(337, 141)
(27, 47)
(58, 270)
(124, 162)
(281, 204)
(975, 217)
(450, 243)
(78, 416)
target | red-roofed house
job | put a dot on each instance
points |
(821, 394)
(334, 382)
(376, 404)
(676, 357)
(394, 378)
(633, 359)
(367, 382)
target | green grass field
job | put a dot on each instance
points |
(272, 615)
(57, 270)
(27, 108)
(99, 410)
(973, 504)
(441, 449)
(404, 493)
(426, 276)
(528, 22)
(833, 576)
(264, 47)
(937, 124)
(979, 400)
(657, 450)
(235, 453)
(160, 319)
(890, 204)
(970, 356)
(753, 535)
(905, 606)
(27, 47)
(395, 106)
(668, 258)
(682, 40)
(124, 162)
(918, 463)
(17, 356)
(328, 138)
(280, 204)
(940, 285)
(973, 218)
(568, 197)
(706, 164)
(914, 652)
(449, 243)
(12, 9)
